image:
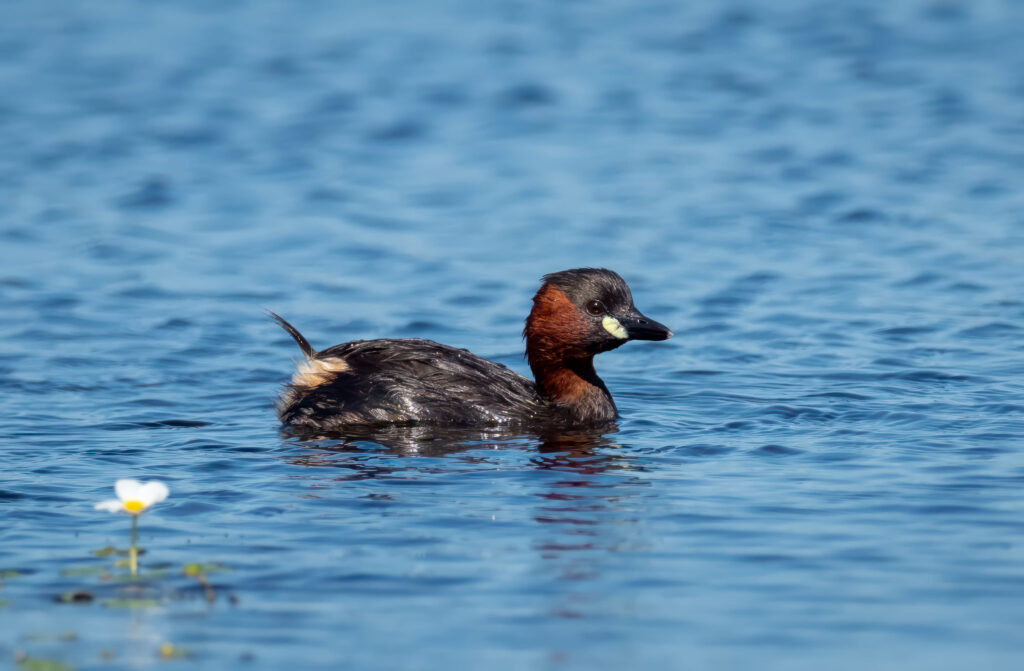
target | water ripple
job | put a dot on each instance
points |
(822, 469)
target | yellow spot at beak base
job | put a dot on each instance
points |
(134, 506)
(612, 325)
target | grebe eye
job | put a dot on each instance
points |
(595, 308)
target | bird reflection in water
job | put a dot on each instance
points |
(576, 449)
(584, 492)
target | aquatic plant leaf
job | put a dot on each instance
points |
(197, 569)
(82, 570)
(38, 664)
(10, 573)
(131, 603)
(125, 563)
(145, 575)
(110, 551)
(170, 651)
(66, 636)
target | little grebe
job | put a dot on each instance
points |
(576, 314)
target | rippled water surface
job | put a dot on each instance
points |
(823, 469)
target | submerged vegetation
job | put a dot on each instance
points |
(117, 582)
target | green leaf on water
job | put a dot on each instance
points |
(131, 603)
(144, 575)
(10, 573)
(82, 570)
(169, 651)
(125, 563)
(110, 551)
(65, 636)
(4, 603)
(39, 664)
(199, 569)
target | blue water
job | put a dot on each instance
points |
(823, 469)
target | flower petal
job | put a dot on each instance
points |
(127, 489)
(110, 505)
(152, 492)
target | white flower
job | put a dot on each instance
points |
(133, 497)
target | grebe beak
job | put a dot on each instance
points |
(639, 327)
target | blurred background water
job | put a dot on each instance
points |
(823, 468)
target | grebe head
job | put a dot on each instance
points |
(582, 312)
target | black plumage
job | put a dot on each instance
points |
(409, 381)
